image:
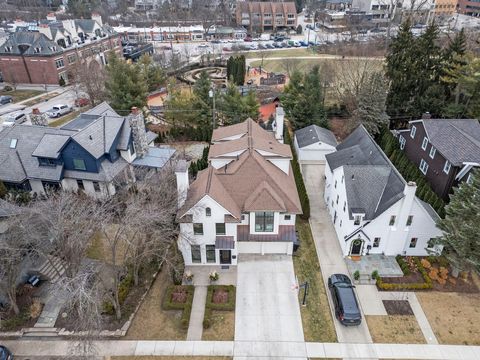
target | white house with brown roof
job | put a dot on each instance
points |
(246, 200)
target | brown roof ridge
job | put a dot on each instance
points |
(257, 195)
(209, 180)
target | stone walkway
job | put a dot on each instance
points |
(422, 320)
(249, 349)
(195, 327)
(386, 266)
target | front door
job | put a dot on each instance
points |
(225, 256)
(356, 247)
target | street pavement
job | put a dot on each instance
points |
(328, 249)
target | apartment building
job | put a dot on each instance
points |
(259, 16)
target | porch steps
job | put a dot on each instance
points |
(52, 269)
(40, 332)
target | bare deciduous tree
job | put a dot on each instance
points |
(90, 78)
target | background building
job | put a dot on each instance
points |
(44, 53)
(266, 16)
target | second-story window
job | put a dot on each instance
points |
(357, 219)
(424, 143)
(432, 152)
(446, 167)
(59, 63)
(413, 131)
(220, 229)
(287, 217)
(264, 221)
(208, 212)
(392, 220)
(197, 229)
(409, 220)
(402, 142)
(79, 164)
(423, 167)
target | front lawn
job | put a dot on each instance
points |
(219, 318)
(394, 329)
(454, 317)
(316, 316)
(152, 322)
(21, 95)
(66, 118)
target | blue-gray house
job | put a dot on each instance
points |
(92, 153)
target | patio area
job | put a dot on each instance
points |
(386, 266)
(201, 275)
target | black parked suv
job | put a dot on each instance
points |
(5, 354)
(347, 310)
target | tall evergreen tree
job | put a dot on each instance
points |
(151, 72)
(126, 87)
(460, 226)
(371, 111)
(202, 87)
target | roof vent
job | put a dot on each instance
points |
(353, 176)
(90, 137)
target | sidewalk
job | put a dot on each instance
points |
(249, 349)
(195, 327)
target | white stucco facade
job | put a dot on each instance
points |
(405, 228)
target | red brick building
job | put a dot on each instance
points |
(266, 16)
(45, 56)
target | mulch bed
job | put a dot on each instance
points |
(179, 296)
(414, 277)
(461, 286)
(397, 307)
(220, 296)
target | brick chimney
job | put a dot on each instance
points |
(37, 118)
(139, 133)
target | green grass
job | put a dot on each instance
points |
(291, 52)
(21, 95)
(66, 118)
(316, 316)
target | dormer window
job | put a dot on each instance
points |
(357, 219)
(46, 162)
(37, 50)
(8, 49)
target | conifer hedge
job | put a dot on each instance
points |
(410, 171)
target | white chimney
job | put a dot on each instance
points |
(139, 133)
(407, 204)
(181, 172)
(278, 126)
(98, 18)
(51, 17)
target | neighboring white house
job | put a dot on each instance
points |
(312, 143)
(374, 210)
(246, 200)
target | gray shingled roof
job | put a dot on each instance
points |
(313, 134)
(18, 164)
(458, 140)
(33, 40)
(98, 137)
(51, 145)
(371, 181)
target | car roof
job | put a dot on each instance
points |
(348, 300)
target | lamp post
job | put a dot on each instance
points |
(211, 94)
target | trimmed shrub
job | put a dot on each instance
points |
(427, 284)
(403, 265)
(356, 275)
(374, 274)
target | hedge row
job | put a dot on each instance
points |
(410, 172)
(403, 265)
(302, 191)
(200, 164)
(186, 306)
(210, 305)
(427, 284)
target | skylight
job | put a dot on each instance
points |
(13, 143)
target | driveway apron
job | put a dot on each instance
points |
(267, 307)
(328, 249)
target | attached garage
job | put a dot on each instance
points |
(312, 143)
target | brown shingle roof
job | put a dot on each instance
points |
(253, 137)
(249, 183)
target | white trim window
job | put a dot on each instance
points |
(447, 166)
(424, 143)
(423, 167)
(469, 178)
(432, 152)
(402, 142)
(413, 131)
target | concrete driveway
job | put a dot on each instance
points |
(267, 307)
(328, 249)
